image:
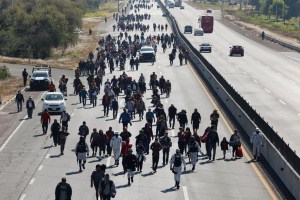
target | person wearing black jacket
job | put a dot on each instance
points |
(212, 140)
(30, 107)
(172, 114)
(55, 128)
(19, 100)
(182, 119)
(63, 190)
(130, 164)
(196, 119)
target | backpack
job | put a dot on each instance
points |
(81, 148)
(177, 162)
(204, 138)
(112, 193)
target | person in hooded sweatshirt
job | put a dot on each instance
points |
(82, 151)
(115, 144)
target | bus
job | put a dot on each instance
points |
(206, 22)
(178, 3)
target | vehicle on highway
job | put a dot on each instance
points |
(198, 32)
(209, 11)
(236, 49)
(147, 54)
(54, 102)
(206, 22)
(171, 5)
(205, 47)
(188, 29)
(181, 7)
(178, 3)
(40, 78)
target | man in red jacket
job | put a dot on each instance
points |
(45, 120)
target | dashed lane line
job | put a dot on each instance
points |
(185, 193)
(47, 155)
(31, 181)
(267, 90)
(282, 102)
(40, 167)
(23, 196)
(254, 80)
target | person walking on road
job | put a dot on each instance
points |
(109, 135)
(25, 76)
(45, 120)
(176, 162)
(116, 143)
(213, 139)
(140, 150)
(235, 142)
(19, 100)
(63, 190)
(82, 95)
(115, 107)
(224, 146)
(62, 138)
(257, 141)
(172, 111)
(30, 106)
(96, 178)
(130, 163)
(166, 143)
(107, 188)
(83, 130)
(150, 118)
(156, 148)
(182, 119)
(140, 107)
(195, 120)
(106, 103)
(125, 118)
(214, 118)
(194, 148)
(82, 151)
(171, 58)
(180, 56)
(94, 141)
(55, 128)
(181, 139)
(64, 119)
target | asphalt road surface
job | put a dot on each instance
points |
(30, 167)
(267, 79)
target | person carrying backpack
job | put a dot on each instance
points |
(176, 162)
(194, 148)
(81, 150)
(107, 188)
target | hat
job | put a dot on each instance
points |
(257, 129)
(116, 133)
(30, 97)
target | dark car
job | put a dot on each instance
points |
(40, 80)
(188, 29)
(236, 49)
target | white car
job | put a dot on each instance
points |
(198, 32)
(54, 102)
(205, 47)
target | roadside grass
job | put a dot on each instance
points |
(213, 6)
(9, 87)
(290, 29)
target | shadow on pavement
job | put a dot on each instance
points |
(229, 160)
(220, 159)
(251, 161)
(55, 156)
(110, 119)
(72, 173)
(111, 166)
(38, 135)
(100, 117)
(122, 186)
(148, 174)
(119, 173)
(23, 119)
(13, 112)
(171, 189)
(205, 162)
(47, 147)
(92, 161)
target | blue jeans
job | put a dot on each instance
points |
(19, 105)
(62, 145)
(83, 101)
(29, 112)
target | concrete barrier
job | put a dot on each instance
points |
(287, 174)
(287, 45)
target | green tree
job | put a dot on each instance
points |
(277, 8)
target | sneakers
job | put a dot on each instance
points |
(193, 168)
(131, 179)
(83, 166)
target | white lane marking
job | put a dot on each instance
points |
(22, 197)
(72, 114)
(185, 193)
(173, 133)
(267, 90)
(158, 66)
(255, 80)
(237, 67)
(108, 161)
(13, 133)
(31, 181)
(245, 73)
(47, 155)
(282, 102)
(40, 167)
(160, 73)
(292, 58)
(166, 100)
(298, 114)
(18, 127)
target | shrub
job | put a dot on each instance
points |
(4, 73)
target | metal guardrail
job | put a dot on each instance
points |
(274, 138)
(282, 43)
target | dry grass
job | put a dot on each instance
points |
(15, 84)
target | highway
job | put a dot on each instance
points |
(267, 79)
(30, 167)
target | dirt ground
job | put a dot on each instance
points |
(6, 93)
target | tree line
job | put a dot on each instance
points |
(32, 28)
